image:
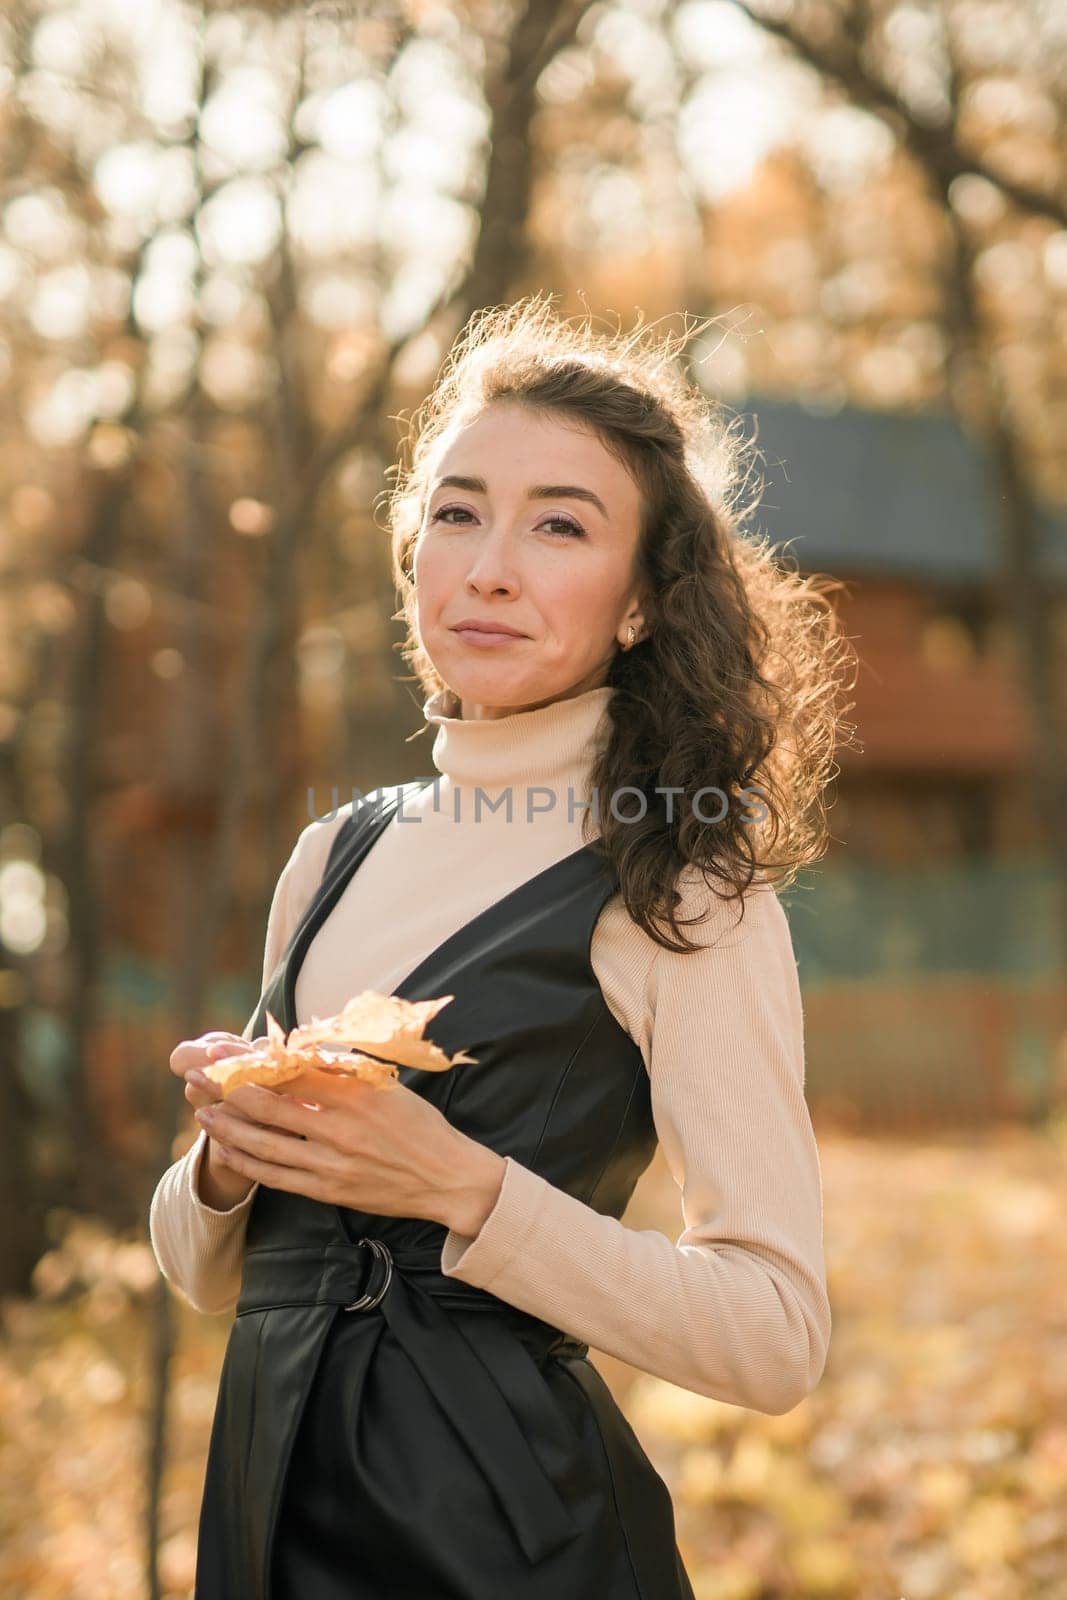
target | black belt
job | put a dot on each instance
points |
(483, 1374)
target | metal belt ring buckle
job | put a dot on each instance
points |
(367, 1301)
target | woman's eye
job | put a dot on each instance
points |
(571, 529)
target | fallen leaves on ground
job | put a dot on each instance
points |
(929, 1464)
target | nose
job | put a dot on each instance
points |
(493, 570)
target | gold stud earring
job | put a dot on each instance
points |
(631, 636)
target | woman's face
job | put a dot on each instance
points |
(541, 536)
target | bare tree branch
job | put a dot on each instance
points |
(934, 144)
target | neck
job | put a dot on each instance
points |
(551, 746)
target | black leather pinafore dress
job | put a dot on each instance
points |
(383, 1431)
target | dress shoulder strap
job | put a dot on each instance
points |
(370, 809)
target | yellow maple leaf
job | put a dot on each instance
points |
(369, 1038)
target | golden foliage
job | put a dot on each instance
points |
(930, 1462)
(392, 1026)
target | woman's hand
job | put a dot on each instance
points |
(218, 1186)
(335, 1139)
(188, 1060)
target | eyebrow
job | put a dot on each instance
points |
(540, 491)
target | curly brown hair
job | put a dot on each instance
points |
(735, 682)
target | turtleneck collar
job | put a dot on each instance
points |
(552, 746)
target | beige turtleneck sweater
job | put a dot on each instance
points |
(737, 1308)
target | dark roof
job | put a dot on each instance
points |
(881, 492)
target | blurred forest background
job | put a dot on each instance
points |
(236, 243)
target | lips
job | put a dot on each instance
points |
(489, 628)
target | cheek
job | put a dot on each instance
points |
(433, 582)
(575, 609)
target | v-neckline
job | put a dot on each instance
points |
(330, 891)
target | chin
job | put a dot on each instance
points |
(495, 689)
(489, 679)
(491, 688)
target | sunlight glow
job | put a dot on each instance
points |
(241, 223)
(732, 122)
(127, 176)
(59, 308)
(23, 921)
(40, 224)
(242, 121)
(348, 120)
(333, 206)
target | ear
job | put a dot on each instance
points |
(635, 617)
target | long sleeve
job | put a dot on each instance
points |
(736, 1309)
(200, 1249)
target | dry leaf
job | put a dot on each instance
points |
(383, 1025)
(389, 1027)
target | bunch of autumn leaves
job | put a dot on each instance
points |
(370, 1039)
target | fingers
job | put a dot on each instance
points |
(266, 1106)
(193, 1054)
(232, 1128)
(250, 1103)
(220, 1052)
(197, 1090)
(200, 1092)
(219, 1049)
(191, 1057)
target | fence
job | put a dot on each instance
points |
(931, 996)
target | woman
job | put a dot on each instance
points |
(406, 1407)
